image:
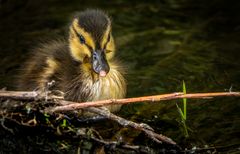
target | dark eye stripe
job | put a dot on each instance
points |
(82, 39)
(89, 47)
(108, 39)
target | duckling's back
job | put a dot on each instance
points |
(44, 66)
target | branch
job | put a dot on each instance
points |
(155, 98)
(142, 127)
(29, 96)
(36, 95)
(26, 95)
(91, 106)
(68, 105)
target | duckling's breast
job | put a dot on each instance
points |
(112, 86)
(85, 88)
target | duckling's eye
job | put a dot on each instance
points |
(82, 39)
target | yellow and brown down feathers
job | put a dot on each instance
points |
(83, 67)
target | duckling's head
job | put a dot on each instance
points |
(91, 42)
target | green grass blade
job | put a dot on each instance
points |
(180, 111)
(184, 102)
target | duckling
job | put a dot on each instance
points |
(83, 67)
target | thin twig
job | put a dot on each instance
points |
(30, 96)
(155, 98)
(26, 95)
(142, 127)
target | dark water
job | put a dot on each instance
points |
(162, 43)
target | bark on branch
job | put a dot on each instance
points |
(155, 98)
(30, 96)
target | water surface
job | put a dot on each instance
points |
(162, 44)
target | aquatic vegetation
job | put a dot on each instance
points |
(183, 113)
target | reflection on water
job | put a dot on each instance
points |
(162, 43)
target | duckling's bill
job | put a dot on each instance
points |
(99, 63)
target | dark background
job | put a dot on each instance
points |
(161, 42)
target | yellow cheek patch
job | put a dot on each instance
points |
(86, 35)
(111, 48)
(79, 50)
(105, 36)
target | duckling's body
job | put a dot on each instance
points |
(83, 67)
